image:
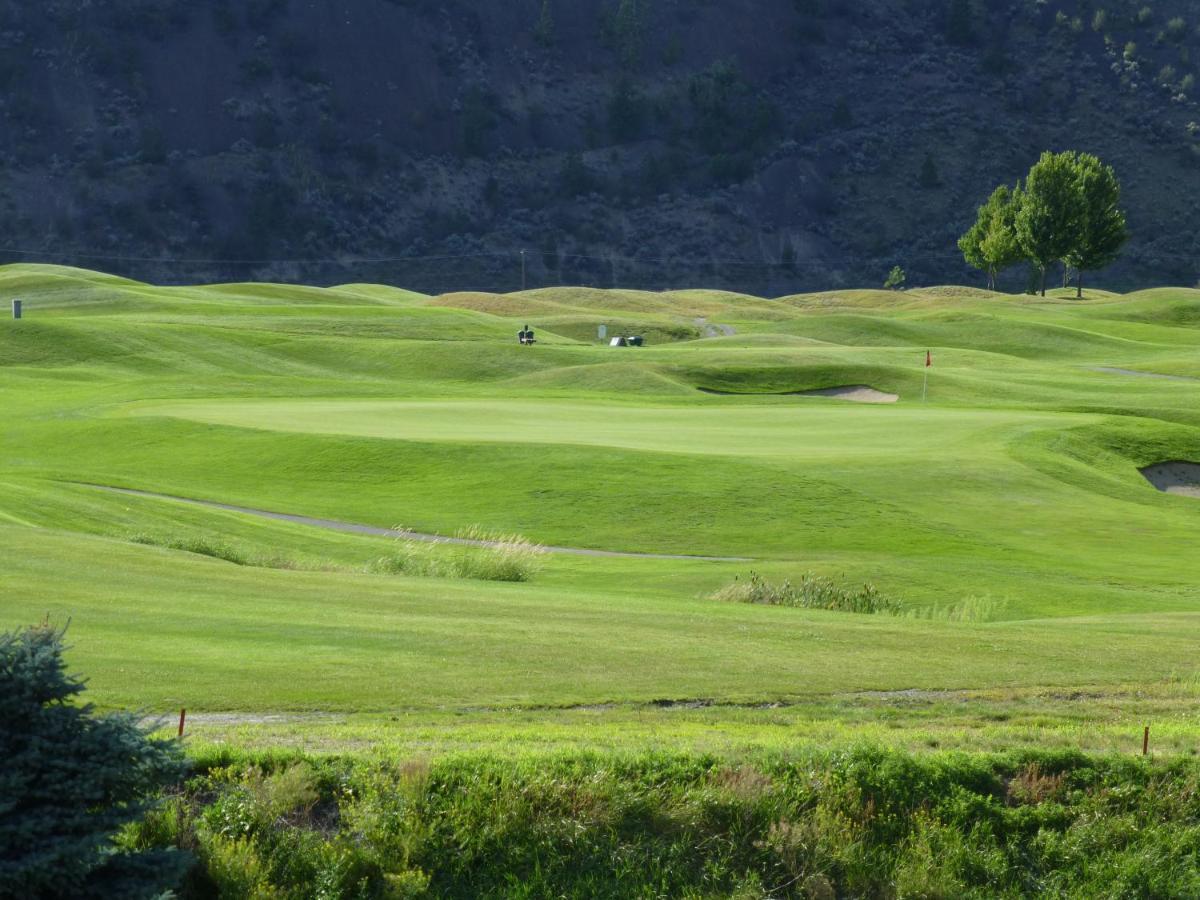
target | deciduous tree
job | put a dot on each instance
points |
(991, 244)
(1102, 233)
(1051, 216)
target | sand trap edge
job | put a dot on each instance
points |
(1178, 476)
(855, 393)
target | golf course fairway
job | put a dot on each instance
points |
(1039, 588)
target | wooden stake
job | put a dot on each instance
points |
(1146, 741)
(182, 719)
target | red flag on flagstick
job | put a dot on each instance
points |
(928, 358)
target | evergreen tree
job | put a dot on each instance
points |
(543, 32)
(1051, 216)
(958, 22)
(575, 177)
(70, 780)
(1103, 231)
(627, 30)
(625, 111)
(929, 177)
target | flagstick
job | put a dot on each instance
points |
(925, 384)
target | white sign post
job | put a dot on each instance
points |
(603, 332)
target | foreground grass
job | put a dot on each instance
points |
(1089, 718)
(856, 822)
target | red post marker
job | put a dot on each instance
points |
(1146, 741)
(182, 719)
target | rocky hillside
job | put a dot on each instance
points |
(765, 145)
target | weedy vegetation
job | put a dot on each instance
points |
(489, 556)
(808, 592)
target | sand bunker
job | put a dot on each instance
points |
(856, 393)
(1175, 477)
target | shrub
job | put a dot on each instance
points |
(810, 592)
(236, 869)
(71, 780)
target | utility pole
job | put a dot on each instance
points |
(522, 270)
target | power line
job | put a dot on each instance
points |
(515, 255)
(172, 260)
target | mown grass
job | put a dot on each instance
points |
(1005, 514)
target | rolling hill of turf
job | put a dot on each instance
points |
(1005, 514)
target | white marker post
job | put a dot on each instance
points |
(603, 332)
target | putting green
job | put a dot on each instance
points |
(809, 429)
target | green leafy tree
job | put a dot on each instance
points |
(70, 780)
(991, 243)
(1051, 215)
(1102, 233)
(1000, 246)
(895, 279)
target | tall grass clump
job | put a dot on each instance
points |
(973, 609)
(217, 548)
(484, 556)
(202, 545)
(809, 592)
